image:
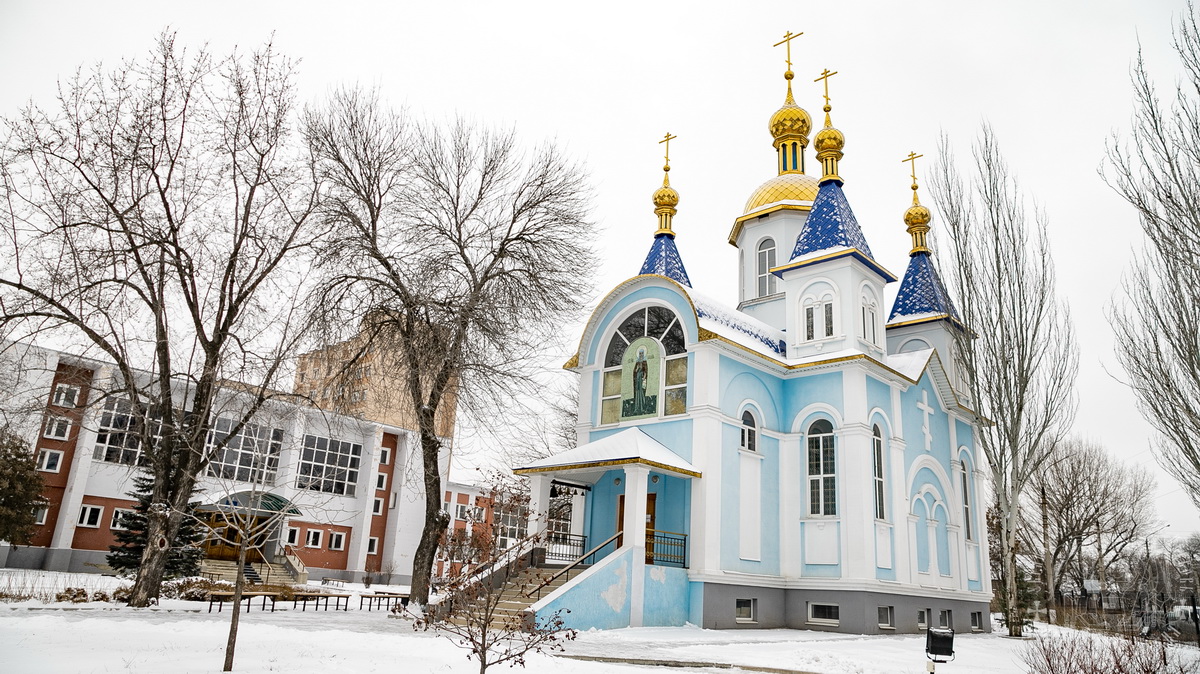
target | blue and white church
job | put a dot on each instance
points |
(797, 461)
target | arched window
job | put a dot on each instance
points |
(645, 356)
(822, 469)
(818, 317)
(749, 432)
(870, 320)
(766, 259)
(966, 500)
(877, 455)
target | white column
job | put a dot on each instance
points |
(539, 503)
(637, 478)
(856, 477)
(361, 533)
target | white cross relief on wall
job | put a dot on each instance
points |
(926, 410)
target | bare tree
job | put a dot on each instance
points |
(1019, 366)
(153, 214)
(456, 251)
(1064, 528)
(1157, 325)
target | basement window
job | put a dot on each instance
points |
(746, 610)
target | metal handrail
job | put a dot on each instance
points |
(566, 569)
(291, 559)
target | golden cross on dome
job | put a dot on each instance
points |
(912, 160)
(667, 156)
(787, 39)
(825, 76)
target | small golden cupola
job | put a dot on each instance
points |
(829, 142)
(917, 217)
(791, 123)
(665, 197)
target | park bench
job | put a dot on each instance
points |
(383, 600)
(222, 596)
(340, 601)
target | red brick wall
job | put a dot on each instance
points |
(88, 538)
(322, 557)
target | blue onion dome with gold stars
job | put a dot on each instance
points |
(922, 295)
(663, 258)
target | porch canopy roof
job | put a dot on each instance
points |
(589, 461)
(268, 503)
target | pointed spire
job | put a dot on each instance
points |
(922, 296)
(828, 142)
(790, 124)
(917, 217)
(663, 258)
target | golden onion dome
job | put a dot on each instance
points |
(829, 139)
(666, 196)
(917, 215)
(791, 119)
(783, 187)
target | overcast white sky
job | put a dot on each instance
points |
(607, 80)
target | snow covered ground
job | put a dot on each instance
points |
(42, 638)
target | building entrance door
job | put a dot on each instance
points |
(650, 509)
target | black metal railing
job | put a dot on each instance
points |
(666, 548)
(586, 559)
(562, 547)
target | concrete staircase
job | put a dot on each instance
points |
(224, 570)
(513, 602)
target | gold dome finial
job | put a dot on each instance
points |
(790, 124)
(829, 142)
(665, 197)
(917, 217)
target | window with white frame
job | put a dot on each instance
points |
(89, 516)
(749, 432)
(40, 514)
(385, 454)
(510, 526)
(977, 621)
(966, 503)
(822, 469)
(118, 519)
(887, 617)
(312, 538)
(646, 360)
(117, 436)
(381, 480)
(293, 535)
(373, 545)
(57, 427)
(818, 317)
(824, 614)
(870, 320)
(946, 618)
(377, 506)
(65, 395)
(250, 455)
(337, 540)
(923, 618)
(328, 465)
(745, 610)
(767, 282)
(877, 457)
(49, 460)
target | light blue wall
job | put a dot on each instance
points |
(922, 541)
(672, 505)
(879, 394)
(769, 504)
(667, 595)
(696, 603)
(675, 435)
(600, 600)
(913, 419)
(818, 388)
(666, 296)
(740, 382)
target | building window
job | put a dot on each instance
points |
(381, 480)
(385, 455)
(49, 460)
(57, 428)
(766, 259)
(469, 513)
(293, 536)
(251, 455)
(117, 436)
(645, 355)
(877, 455)
(870, 324)
(818, 318)
(822, 469)
(923, 618)
(119, 518)
(745, 610)
(976, 621)
(329, 466)
(824, 614)
(65, 395)
(749, 432)
(946, 618)
(337, 540)
(89, 516)
(377, 506)
(312, 538)
(373, 545)
(510, 526)
(887, 617)
(39, 515)
(966, 498)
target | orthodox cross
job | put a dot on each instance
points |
(667, 139)
(787, 39)
(926, 410)
(825, 76)
(912, 160)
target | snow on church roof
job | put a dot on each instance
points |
(831, 224)
(628, 446)
(737, 326)
(664, 260)
(909, 364)
(922, 295)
